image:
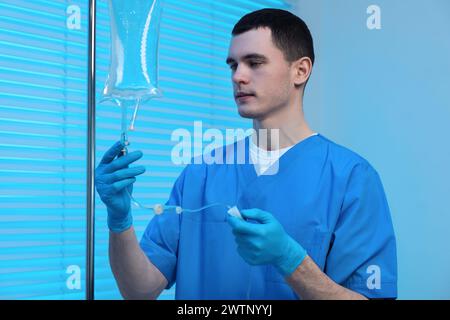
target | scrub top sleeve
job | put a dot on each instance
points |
(362, 256)
(160, 239)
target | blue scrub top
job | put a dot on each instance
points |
(327, 198)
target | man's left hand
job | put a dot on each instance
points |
(266, 242)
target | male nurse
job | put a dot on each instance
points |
(313, 221)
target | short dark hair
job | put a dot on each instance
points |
(290, 34)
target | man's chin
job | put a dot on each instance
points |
(246, 112)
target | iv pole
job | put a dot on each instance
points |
(90, 200)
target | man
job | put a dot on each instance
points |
(318, 227)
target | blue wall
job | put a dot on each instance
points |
(385, 93)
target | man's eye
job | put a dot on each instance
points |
(255, 64)
(233, 66)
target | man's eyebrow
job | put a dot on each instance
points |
(247, 57)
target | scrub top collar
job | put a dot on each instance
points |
(249, 171)
(253, 186)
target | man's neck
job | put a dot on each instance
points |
(292, 128)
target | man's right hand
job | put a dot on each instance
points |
(114, 182)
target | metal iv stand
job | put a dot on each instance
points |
(90, 199)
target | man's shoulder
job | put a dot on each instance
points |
(343, 158)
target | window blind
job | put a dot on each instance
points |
(42, 157)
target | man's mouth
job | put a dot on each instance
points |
(242, 95)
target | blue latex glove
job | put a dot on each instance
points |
(112, 177)
(266, 242)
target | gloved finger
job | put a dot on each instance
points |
(249, 241)
(241, 252)
(123, 174)
(123, 162)
(246, 255)
(243, 242)
(240, 226)
(122, 184)
(257, 215)
(112, 152)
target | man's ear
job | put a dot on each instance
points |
(301, 70)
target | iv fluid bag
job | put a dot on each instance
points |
(133, 71)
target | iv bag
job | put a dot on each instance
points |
(133, 70)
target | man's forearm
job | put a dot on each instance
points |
(136, 276)
(310, 283)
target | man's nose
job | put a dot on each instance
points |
(240, 75)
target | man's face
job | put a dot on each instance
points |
(261, 75)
